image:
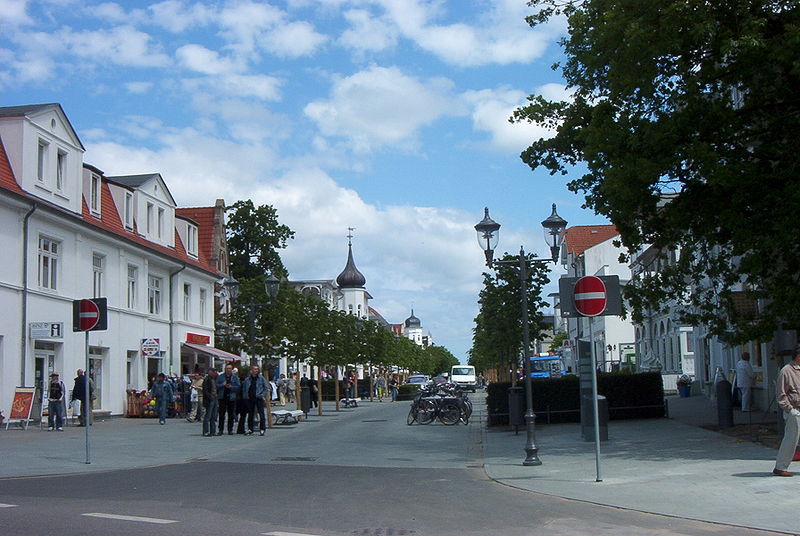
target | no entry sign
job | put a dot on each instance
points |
(590, 296)
(89, 315)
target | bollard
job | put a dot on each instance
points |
(724, 403)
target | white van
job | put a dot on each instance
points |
(464, 377)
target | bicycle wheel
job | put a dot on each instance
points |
(412, 416)
(449, 414)
(426, 412)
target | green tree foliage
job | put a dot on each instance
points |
(558, 341)
(686, 115)
(497, 335)
(254, 238)
(437, 360)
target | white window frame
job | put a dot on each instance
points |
(149, 215)
(61, 169)
(161, 223)
(203, 303)
(127, 210)
(98, 274)
(48, 262)
(187, 301)
(154, 294)
(94, 193)
(191, 241)
(133, 283)
(41, 160)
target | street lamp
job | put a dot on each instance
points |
(488, 233)
(271, 285)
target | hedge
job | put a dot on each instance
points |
(630, 396)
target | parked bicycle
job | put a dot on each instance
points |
(445, 402)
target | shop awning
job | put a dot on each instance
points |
(214, 352)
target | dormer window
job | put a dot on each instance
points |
(41, 169)
(94, 194)
(128, 210)
(150, 209)
(161, 223)
(191, 241)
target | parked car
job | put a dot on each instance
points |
(440, 379)
(418, 379)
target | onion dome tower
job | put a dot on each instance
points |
(351, 285)
(413, 328)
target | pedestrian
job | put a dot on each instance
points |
(79, 393)
(380, 386)
(256, 390)
(283, 387)
(788, 398)
(227, 387)
(313, 388)
(164, 394)
(241, 408)
(290, 388)
(393, 387)
(210, 403)
(55, 396)
(744, 380)
(197, 393)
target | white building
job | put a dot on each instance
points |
(590, 250)
(70, 233)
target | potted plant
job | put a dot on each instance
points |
(684, 385)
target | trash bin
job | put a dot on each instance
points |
(516, 406)
(724, 403)
(587, 418)
(305, 399)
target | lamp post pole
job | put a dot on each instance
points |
(488, 231)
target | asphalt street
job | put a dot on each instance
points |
(361, 471)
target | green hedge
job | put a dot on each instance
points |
(562, 397)
(407, 391)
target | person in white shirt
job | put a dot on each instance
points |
(744, 380)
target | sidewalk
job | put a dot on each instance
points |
(671, 466)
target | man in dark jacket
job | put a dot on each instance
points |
(228, 386)
(254, 392)
(210, 403)
(79, 393)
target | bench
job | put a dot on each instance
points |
(285, 416)
(349, 402)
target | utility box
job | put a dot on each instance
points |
(305, 399)
(587, 417)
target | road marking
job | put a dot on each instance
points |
(280, 533)
(7, 505)
(132, 518)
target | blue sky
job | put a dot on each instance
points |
(389, 116)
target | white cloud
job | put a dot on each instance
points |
(14, 12)
(203, 60)
(293, 40)
(237, 85)
(123, 45)
(367, 33)
(381, 106)
(177, 16)
(138, 88)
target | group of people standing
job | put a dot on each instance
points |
(57, 397)
(380, 384)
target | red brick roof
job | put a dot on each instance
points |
(579, 238)
(109, 219)
(204, 218)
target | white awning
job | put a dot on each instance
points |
(214, 352)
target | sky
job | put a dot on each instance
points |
(387, 116)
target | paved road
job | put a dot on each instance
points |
(359, 472)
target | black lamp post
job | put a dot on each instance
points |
(488, 233)
(271, 285)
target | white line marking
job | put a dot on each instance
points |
(280, 533)
(131, 518)
(7, 505)
(590, 296)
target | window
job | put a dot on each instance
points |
(187, 301)
(191, 241)
(202, 306)
(98, 262)
(161, 223)
(154, 295)
(128, 210)
(48, 263)
(61, 170)
(149, 218)
(94, 194)
(133, 276)
(41, 168)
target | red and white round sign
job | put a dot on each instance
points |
(590, 296)
(88, 315)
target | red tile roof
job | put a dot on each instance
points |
(204, 218)
(579, 238)
(108, 221)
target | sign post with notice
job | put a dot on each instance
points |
(90, 314)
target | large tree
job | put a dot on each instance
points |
(685, 114)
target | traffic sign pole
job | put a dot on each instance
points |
(86, 408)
(595, 406)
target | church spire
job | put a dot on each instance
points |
(350, 276)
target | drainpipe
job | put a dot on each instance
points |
(172, 318)
(24, 339)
